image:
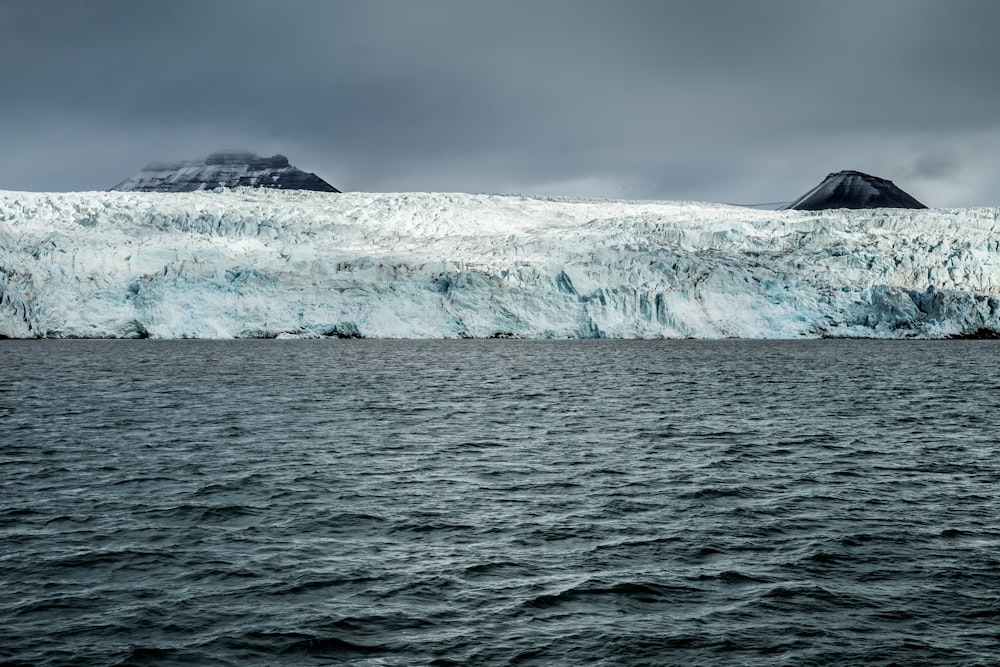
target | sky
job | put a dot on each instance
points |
(736, 101)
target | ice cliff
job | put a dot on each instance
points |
(262, 263)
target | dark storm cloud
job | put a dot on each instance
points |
(741, 101)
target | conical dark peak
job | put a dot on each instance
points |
(227, 169)
(854, 189)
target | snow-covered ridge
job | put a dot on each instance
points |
(252, 263)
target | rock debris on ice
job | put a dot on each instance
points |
(272, 263)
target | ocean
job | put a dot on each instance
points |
(499, 502)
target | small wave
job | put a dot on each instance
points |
(992, 612)
(827, 558)
(20, 512)
(132, 481)
(304, 645)
(714, 492)
(226, 572)
(733, 578)
(427, 527)
(709, 552)
(239, 485)
(805, 591)
(350, 518)
(149, 655)
(951, 533)
(331, 647)
(111, 556)
(310, 585)
(190, 512)
(226, 512)
(504, 568)
(421, 590)
(654, 542)
(66, 517)
(635, 591)
(66, 602)
(858, 539)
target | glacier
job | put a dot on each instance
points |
(293, 264)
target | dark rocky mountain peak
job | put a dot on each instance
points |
(854, 189)
(227, 169)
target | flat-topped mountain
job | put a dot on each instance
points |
(226, 170)
(853, 189)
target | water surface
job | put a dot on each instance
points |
(499, 502)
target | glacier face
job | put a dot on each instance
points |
(263, 263)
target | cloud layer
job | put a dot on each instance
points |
(745, 102)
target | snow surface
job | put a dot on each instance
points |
(262, 263)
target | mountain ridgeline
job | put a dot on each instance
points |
(235, 169)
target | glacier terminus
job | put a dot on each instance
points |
(284, 264)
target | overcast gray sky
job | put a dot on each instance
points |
(740, 101)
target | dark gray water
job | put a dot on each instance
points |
(499, 503)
